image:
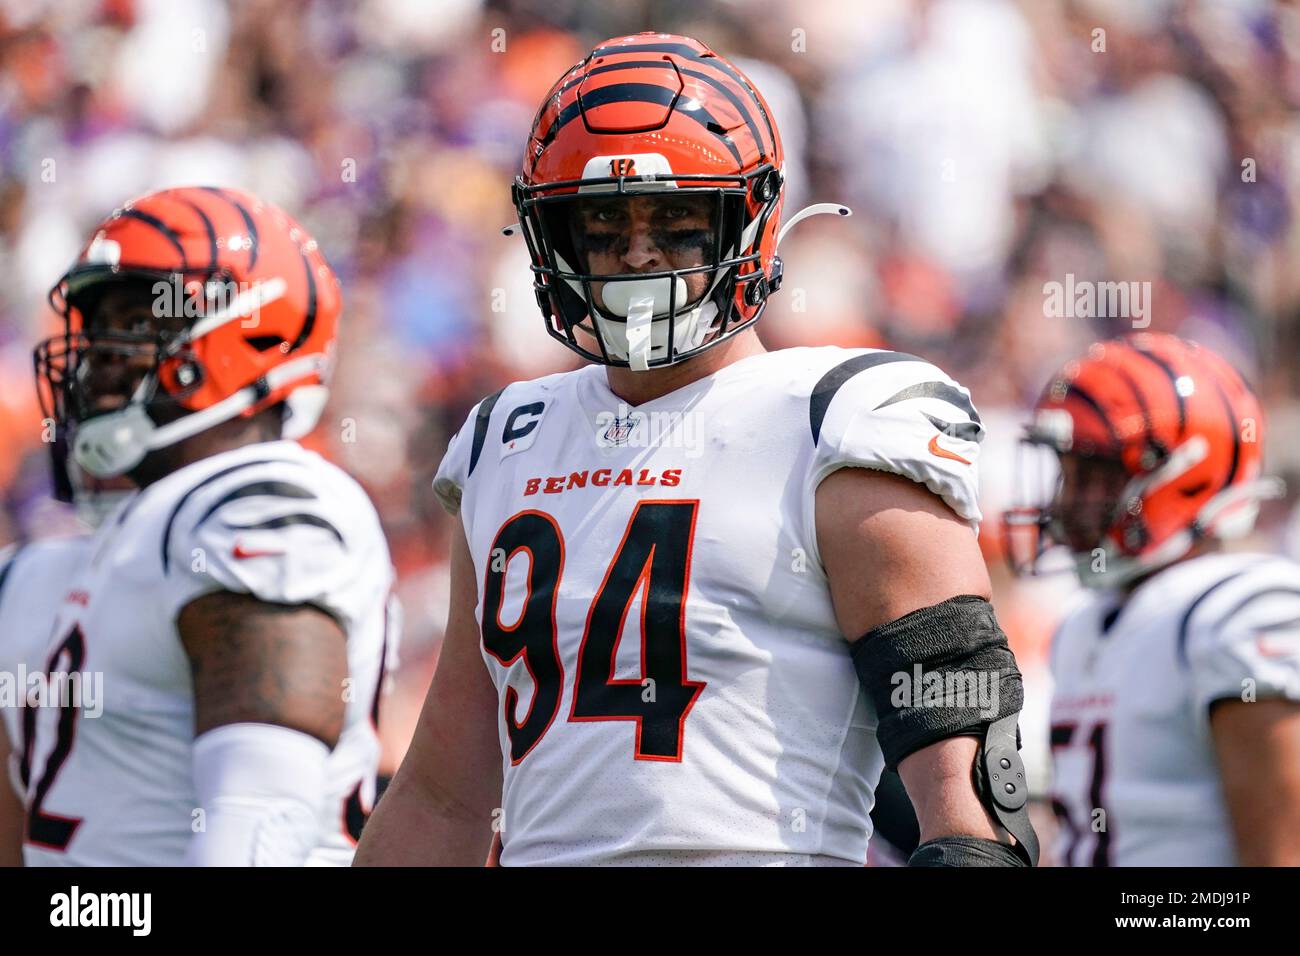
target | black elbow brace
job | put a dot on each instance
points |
(939, 672)
(946, 671)
(965, 851)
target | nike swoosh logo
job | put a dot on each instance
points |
(239, 553)
(1272, 650)
(937, 450)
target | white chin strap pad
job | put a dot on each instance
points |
(305, 405)
(621, 298)
(643, 335)
(112, 444)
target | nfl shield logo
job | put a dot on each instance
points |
(619, 431)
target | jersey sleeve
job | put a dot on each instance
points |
(899, 414)
(1246, 644)
(462, 455)
(7, 555)
(284, 534)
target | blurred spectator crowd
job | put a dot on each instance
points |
(987, 147)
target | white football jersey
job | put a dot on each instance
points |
(654, 612)
(1135, 780)
(33, 582)
(110, 782)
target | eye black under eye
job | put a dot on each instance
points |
(678, 239)
(600, 241)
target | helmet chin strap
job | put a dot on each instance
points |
(640, 317)
(112, 444)
(639, 302)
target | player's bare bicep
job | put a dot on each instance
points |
(442, 803)
(11, 811)
(890, 547)
(255, 662)
(1258, 748)
(458, 724)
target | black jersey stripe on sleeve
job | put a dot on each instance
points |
(285, 521)
(830, 383)
(171, 519)
(1290, 625)
(966, 431)
(940, 390)
(1251, 599)
(7, 567)
(275, 489)
(480, 428)
(1185, 626)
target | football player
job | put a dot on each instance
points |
(1175, 719)
(233, 613)
(694, 574)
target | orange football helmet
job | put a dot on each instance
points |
(1180, 432)
(247, 313)
(646, 114)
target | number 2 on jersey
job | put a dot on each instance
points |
(50, 830)
(652, 560)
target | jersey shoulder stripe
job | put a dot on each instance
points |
(278, 489)
(527, 400)
(285, 521)
(1253, 598)
(889, 411)
(481, 421)
(8, 558)
(190, 492)
(940, 390)
(1185, 625)
(832, 381)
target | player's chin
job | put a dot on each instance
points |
(106, 403)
